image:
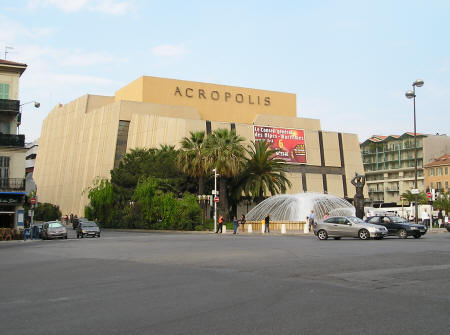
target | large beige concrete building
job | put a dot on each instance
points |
(86, 138)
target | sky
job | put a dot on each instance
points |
(349, 62)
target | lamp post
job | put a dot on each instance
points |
(412, 95)
(215, 195)
(19, 117)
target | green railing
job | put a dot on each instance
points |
(11, 140)
(7, 105)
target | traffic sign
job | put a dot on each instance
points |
(216, 199)
(415, 191)
(33, 201)
(429, 195)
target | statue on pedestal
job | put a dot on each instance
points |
(358, 201)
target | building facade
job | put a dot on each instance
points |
(86, 138)
(12, 147)
(437, 175)
(389, 163)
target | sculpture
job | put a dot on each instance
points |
(358, 201)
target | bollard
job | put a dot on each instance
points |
(283, 228)
(224, 229)
(262, 227)
(250, 228)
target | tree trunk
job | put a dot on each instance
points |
(200, 185)
(223, 204)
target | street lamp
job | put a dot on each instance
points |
(19, 117)
(412, 95)
(215, 193)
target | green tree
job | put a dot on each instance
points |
(192, 157)
(101, 201)
(46, 212)
(263, 174)
(443, 202)
(421, 197)
(225, 153)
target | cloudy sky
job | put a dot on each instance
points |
(349, 62)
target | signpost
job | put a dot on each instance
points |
(429, 195)
(216, 199)
(33, 201)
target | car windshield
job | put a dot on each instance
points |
(396, 219)
(89, 224)
(354, 219)
(55, 225)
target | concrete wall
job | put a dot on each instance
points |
(435, 146)
(214, 102)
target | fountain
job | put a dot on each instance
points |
(296, 207)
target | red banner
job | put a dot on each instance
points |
(288, 143)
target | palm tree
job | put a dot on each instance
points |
(421, 197)
(263, 173)
(225, 153)
(192, 159)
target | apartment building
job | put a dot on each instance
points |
(12, 147)
(437, 175)
(389, 163)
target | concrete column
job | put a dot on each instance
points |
(224, 229)
(250, 228)
(262, 227)
(283, 228)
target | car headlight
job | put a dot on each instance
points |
(83, 231)
(413, 228)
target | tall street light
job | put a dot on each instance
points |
(412, 95)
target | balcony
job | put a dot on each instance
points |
(11, 140)
(12, 184)
(9, 106)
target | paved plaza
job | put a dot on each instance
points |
(203, 283)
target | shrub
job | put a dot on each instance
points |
(46, 212)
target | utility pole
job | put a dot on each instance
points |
(215, 195)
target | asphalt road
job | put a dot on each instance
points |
(196, 283)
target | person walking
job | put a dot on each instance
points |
(312, 218)
(267, 224)
(26, 230)
(219, 225)
(243, 222)
(235, 225)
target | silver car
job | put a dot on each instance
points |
(348, 226)
(53, 229)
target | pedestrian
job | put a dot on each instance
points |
(312, 218)
(267, 224)
(71, 217)
(35, 232)
(326, 216)
(220, 225)
(306, 226)
(243, 222)
(425, 218)
(26, 230)
(440, 218)
(235, 225)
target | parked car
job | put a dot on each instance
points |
(53, 229)
(398, 226)
(448, 227)
(88, 228)
(348, 226)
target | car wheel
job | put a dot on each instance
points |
(337, 238)
(402, 233)
(322, 235)
(363, 234)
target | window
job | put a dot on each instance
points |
(446, 185)
(375, 219)
(4, 91)
(439, 171)
(431, 185)
(446, 170)
(4, 167)
(438, 185)
(431, 172)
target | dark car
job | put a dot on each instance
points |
(88, 228)
(76, 222)
(448, 227)
(398, 226)
(53, 229)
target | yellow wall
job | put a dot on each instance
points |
(214, 102)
